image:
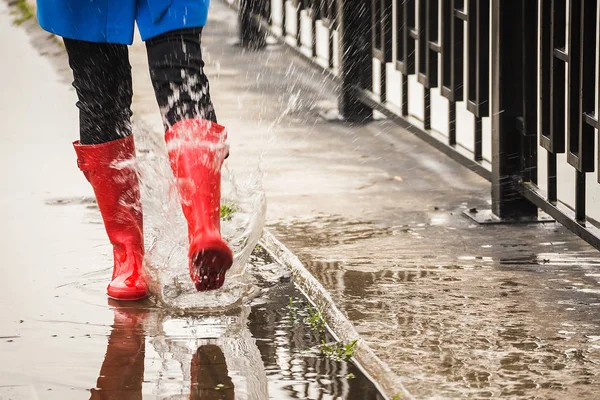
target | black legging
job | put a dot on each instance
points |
(102, 79)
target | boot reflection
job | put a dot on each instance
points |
(209, 374)
(122, 371)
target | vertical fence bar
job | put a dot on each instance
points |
(381, 25)
(580, 215)
(451, 123)
(405, 46)
(452, 49)
(552, 182)
(331, 22)
(354, 17)
(428, 56)
(251, 33)
(299, 7)
(477, 67)
(452, 61)
(581, 141)
(545, 78)
(559, 59)
(478, 149)
(428, 36)
(478, 59)
(315, 14)
(386, 25)
(427, 109)
(283, 18)
(404, 108)
(582, 51)
(550, 79)
(574, 82)
(507, 90)
(530, 99)
(405, 50)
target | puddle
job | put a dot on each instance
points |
(256, 352)
(518, 319)
(262, 349)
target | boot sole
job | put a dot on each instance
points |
(208, 268)
(123, 297)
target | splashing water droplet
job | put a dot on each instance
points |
(165, 230)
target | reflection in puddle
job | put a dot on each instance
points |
(254, 352)
(209, 375)
(122, 371)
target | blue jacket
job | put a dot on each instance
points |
(112, 21)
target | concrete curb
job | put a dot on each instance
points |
(338, 324)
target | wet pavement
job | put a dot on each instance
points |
(454, 308)
(61, 338)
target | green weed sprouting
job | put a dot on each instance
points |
(24, 12)
(227, 211)
(313, 318)
(339, 351)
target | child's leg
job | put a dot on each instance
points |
(102, 78)
(177, 72)
(196, 147)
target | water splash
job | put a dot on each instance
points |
(165, 230)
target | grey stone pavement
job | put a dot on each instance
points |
(454, 308)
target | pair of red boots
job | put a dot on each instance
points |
(196, 149)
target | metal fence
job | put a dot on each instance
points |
(509, 88)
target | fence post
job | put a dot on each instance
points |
(355, 58)
(252, 35)
(512, 108)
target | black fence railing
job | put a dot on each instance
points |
(509, 88)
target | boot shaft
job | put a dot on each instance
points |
(109, 167)
(196, 150)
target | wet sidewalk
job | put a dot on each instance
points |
(454, 308)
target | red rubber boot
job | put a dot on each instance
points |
(118, 195)
(196, 152)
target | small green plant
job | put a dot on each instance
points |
(23, 11)
(397, 397)
(227, 211)
(315, 319)
(339, 351)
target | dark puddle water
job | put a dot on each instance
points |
(273, 354)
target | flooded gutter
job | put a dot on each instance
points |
(338, 324)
